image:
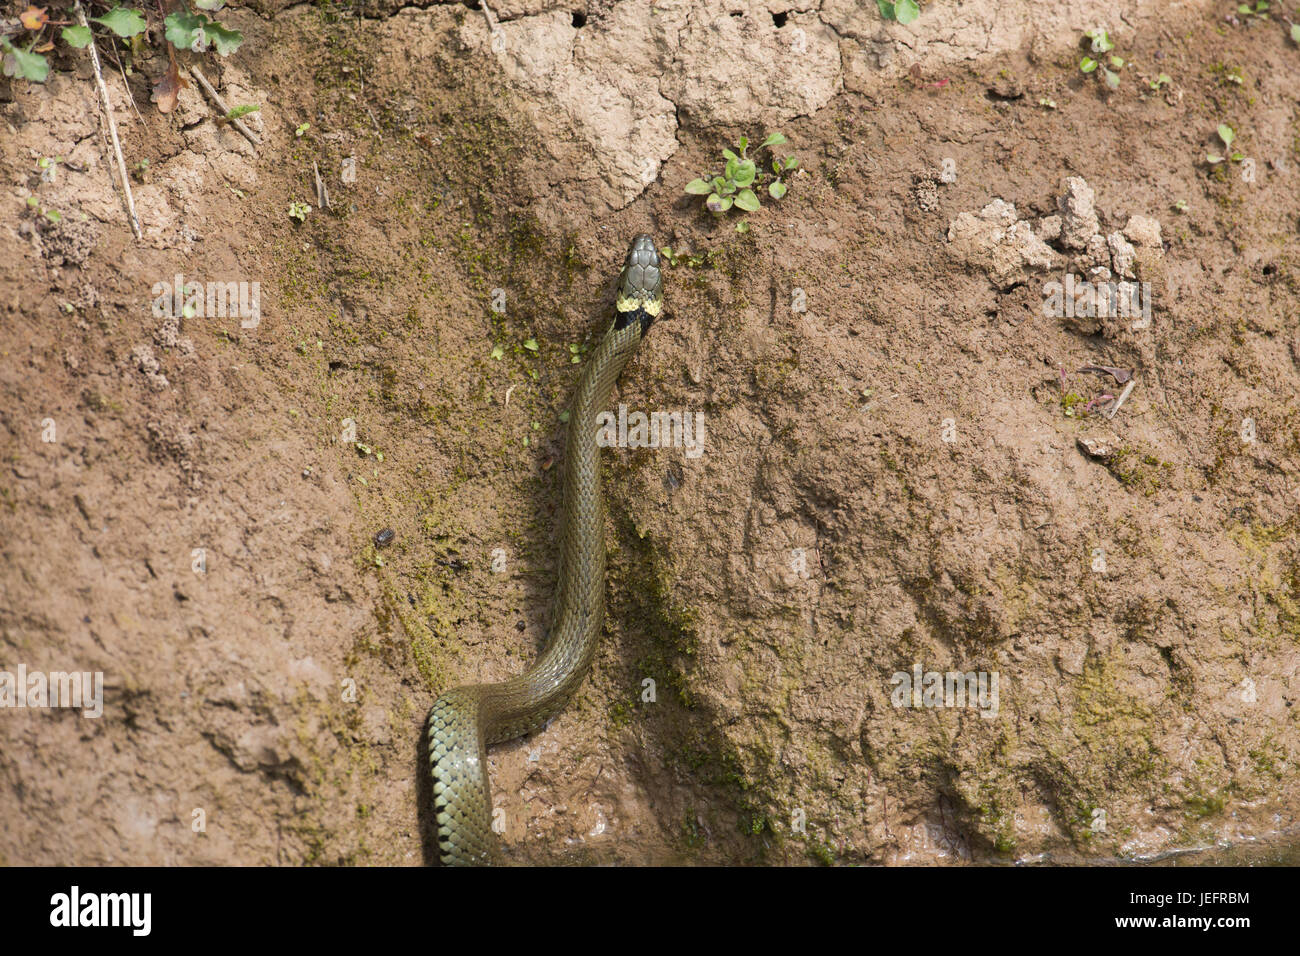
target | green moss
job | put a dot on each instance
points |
(1104, 755)
(324, 773)
(1200, 805)
(620, 713)
(662, 632)
(1139, 471)
(821, 852)
(1271, 573)
(690, 830)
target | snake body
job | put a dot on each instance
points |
(466, 720)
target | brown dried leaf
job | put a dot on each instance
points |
(168, 88)
(34, 17)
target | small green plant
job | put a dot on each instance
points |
(1100, 44)
(301, 129)
(299, 210)
(1260, 9)
(1231, 74)
(51, 214)
(1227, 136)
(1181, 205)
(1160, 82)
(49, 167)
(27, 59)
(740, 176)
(24, 56)
(903, 11)
(238, 112)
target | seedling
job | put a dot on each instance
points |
(299, 210)
(1227, 135)
(1160, 82)
(734, 186)
(49, 166)
(1260, 9)
(1101, 45)
(51, 214)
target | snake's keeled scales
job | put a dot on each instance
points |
(466, 720)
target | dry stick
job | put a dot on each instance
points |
(1122, 396)
(112, 127)
(129, 95)
(493, 29)
(221, 105)
(322, 194)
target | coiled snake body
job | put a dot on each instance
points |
(466, 720)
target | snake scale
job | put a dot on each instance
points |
(466, 720)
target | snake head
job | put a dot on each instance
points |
(641, 286)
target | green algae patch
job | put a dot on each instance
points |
(1139, 471)
(1115, 756)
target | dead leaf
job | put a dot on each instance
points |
(34, 18)
(1121, 375)
(168, 88)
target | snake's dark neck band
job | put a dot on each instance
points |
(623, 319)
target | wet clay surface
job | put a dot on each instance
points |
(902, 468)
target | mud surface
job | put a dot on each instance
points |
(903, 468)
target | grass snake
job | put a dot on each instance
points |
(466, 720)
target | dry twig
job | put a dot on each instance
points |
(1122, 396)
(322, 194)
(221, 105)
(112, 127)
